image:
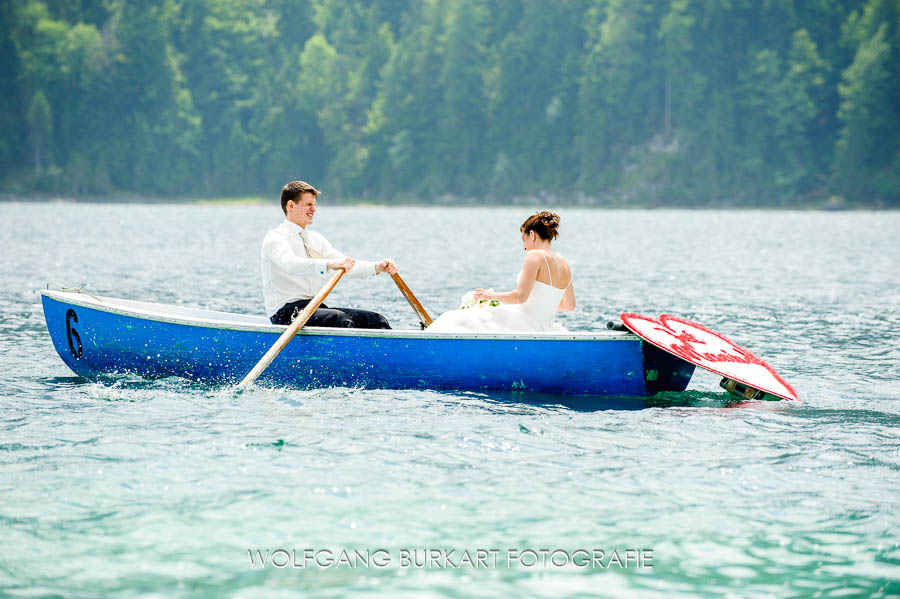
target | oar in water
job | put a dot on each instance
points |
(289, 333)
(424, 319)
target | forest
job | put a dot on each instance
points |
(787, 103)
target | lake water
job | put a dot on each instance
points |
(159, 488)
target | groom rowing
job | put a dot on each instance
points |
(295, 260)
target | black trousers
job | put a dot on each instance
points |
(331, 317)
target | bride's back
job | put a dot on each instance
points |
(560, 273)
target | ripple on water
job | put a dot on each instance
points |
(139, 487)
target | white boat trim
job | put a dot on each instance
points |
(185, 315)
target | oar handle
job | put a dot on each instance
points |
(417, 307)
(289, 333)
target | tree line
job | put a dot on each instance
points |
(657, 102)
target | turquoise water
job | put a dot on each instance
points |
(159, 488)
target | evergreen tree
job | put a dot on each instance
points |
(867, 158)
(40, 126)
(458, 158)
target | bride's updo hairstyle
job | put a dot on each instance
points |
(545, 224)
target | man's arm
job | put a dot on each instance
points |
(361, 268)
(278, 250)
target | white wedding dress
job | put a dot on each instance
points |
(535, 314)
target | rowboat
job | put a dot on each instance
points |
(97, 336)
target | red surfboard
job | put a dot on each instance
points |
(745, 374)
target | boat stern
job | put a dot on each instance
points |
(664, 371)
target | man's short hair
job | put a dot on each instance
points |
(294, 190)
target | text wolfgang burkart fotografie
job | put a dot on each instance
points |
(322, 559)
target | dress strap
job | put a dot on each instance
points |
(549, 276)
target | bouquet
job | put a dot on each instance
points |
(468, 301)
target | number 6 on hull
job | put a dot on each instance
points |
(73, 334)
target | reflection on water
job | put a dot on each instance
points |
(588, 403)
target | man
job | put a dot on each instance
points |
(295, 260)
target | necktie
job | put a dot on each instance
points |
(304, 236)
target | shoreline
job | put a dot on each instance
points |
(830, 205)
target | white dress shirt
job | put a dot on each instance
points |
(289, 274)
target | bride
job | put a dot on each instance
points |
(544, 286)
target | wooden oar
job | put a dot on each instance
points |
(289, 333)
(413, 302)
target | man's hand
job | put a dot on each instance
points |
(387, 265)
(347, 263)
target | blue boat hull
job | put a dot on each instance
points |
(93, 339)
